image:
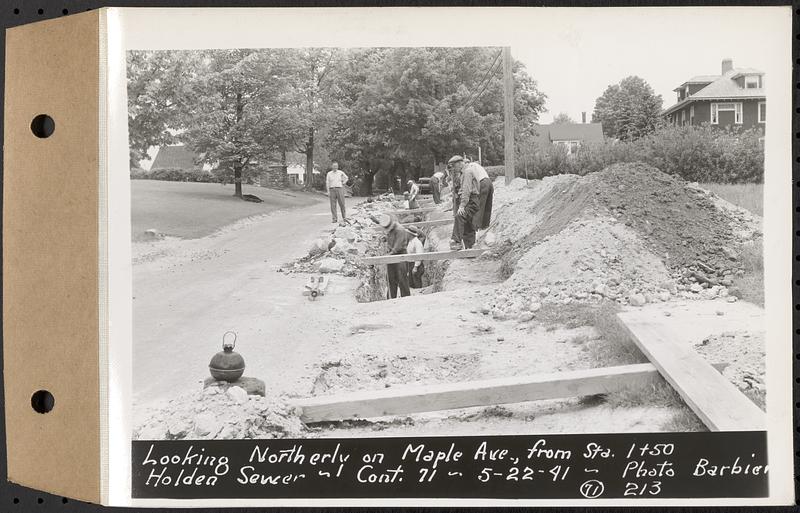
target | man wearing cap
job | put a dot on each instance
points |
(472, 203)
(397, 239)
(335, 181)
(413, 191)
(415, 246)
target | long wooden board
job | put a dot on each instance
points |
(714, 399)
(422, 210)
(416, 257)
(424, 224)
(416, 399)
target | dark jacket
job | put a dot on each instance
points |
(397, 238)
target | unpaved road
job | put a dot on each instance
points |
(188, 293)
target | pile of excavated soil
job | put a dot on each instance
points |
(374, 371)
(629, 233)
(218, 412)
(746, 355)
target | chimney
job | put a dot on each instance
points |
(583, 117)
(727, 65)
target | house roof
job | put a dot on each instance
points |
(174, 157)
(584, 132)
(724, 88)
(698, 79)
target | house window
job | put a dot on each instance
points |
(691, 114)
(751, 82)
(571, 147)
(736, 108)
(762, 112)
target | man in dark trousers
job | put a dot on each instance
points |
(472, 204)
(397, 239)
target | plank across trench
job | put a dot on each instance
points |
(714, 399)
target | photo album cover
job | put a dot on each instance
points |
(440, 256)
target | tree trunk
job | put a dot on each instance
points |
(369, 178)
(310, 159)
(237, 180)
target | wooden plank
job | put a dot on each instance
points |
(422, 210)
(714, 399)
(416, 257)
(415, 399)
(424, 224)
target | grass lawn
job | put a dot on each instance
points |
(746, 195)
(192, 210)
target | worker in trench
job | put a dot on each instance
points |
(472, 201)
(416, 245)
(397, 239)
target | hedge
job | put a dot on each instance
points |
(695, 153)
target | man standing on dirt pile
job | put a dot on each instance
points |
(335, 181)
(472, 202)
(397, 239)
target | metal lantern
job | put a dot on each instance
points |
(227, 365)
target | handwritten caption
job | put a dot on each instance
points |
(549, 466)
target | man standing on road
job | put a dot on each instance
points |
(474, 203)
(335, 181)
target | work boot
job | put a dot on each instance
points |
(455, 246)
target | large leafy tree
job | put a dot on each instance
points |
(562, 118)
(158, 85)
(409, 108)
(628, 110)
(243, 109)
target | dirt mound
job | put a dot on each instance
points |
(745, 352)
(371, 371)
(219, 412)
(678, 221)
(629, 233)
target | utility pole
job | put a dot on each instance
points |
(508, 114)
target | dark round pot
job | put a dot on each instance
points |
(227, 365)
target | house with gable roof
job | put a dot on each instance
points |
(734, 98)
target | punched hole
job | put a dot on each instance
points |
(40, 11)
(42, 401)
(16, 10)
(43, 126)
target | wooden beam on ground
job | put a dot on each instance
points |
(714, 399)
(436, 222)
(424, 224)
(416, 257)
(423, 210)
(403, 400)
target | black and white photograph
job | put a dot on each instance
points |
(561, 233)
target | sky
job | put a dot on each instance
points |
(580, 56)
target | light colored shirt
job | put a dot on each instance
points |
(335, 178)
(438, 175)
(415, 246)
(471, 176)
(413, 191)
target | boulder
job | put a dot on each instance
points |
(526, 317)
(696, 288)
(341, 246)
(637, 300)
(319, 247)
(534, 306)
(331, 265)
(237, 394)
(253, 386)
(206, 424)
(345, 233)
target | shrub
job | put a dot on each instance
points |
(695, 153)
(176, 175)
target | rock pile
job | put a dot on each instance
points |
(221, 412)
(628, 233)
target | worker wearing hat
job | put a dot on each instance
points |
(397, 239)
(472, 202)
(415, 246)
(413, 191)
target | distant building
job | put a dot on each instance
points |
(570, 136)
(175, 157)
(736, 97)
